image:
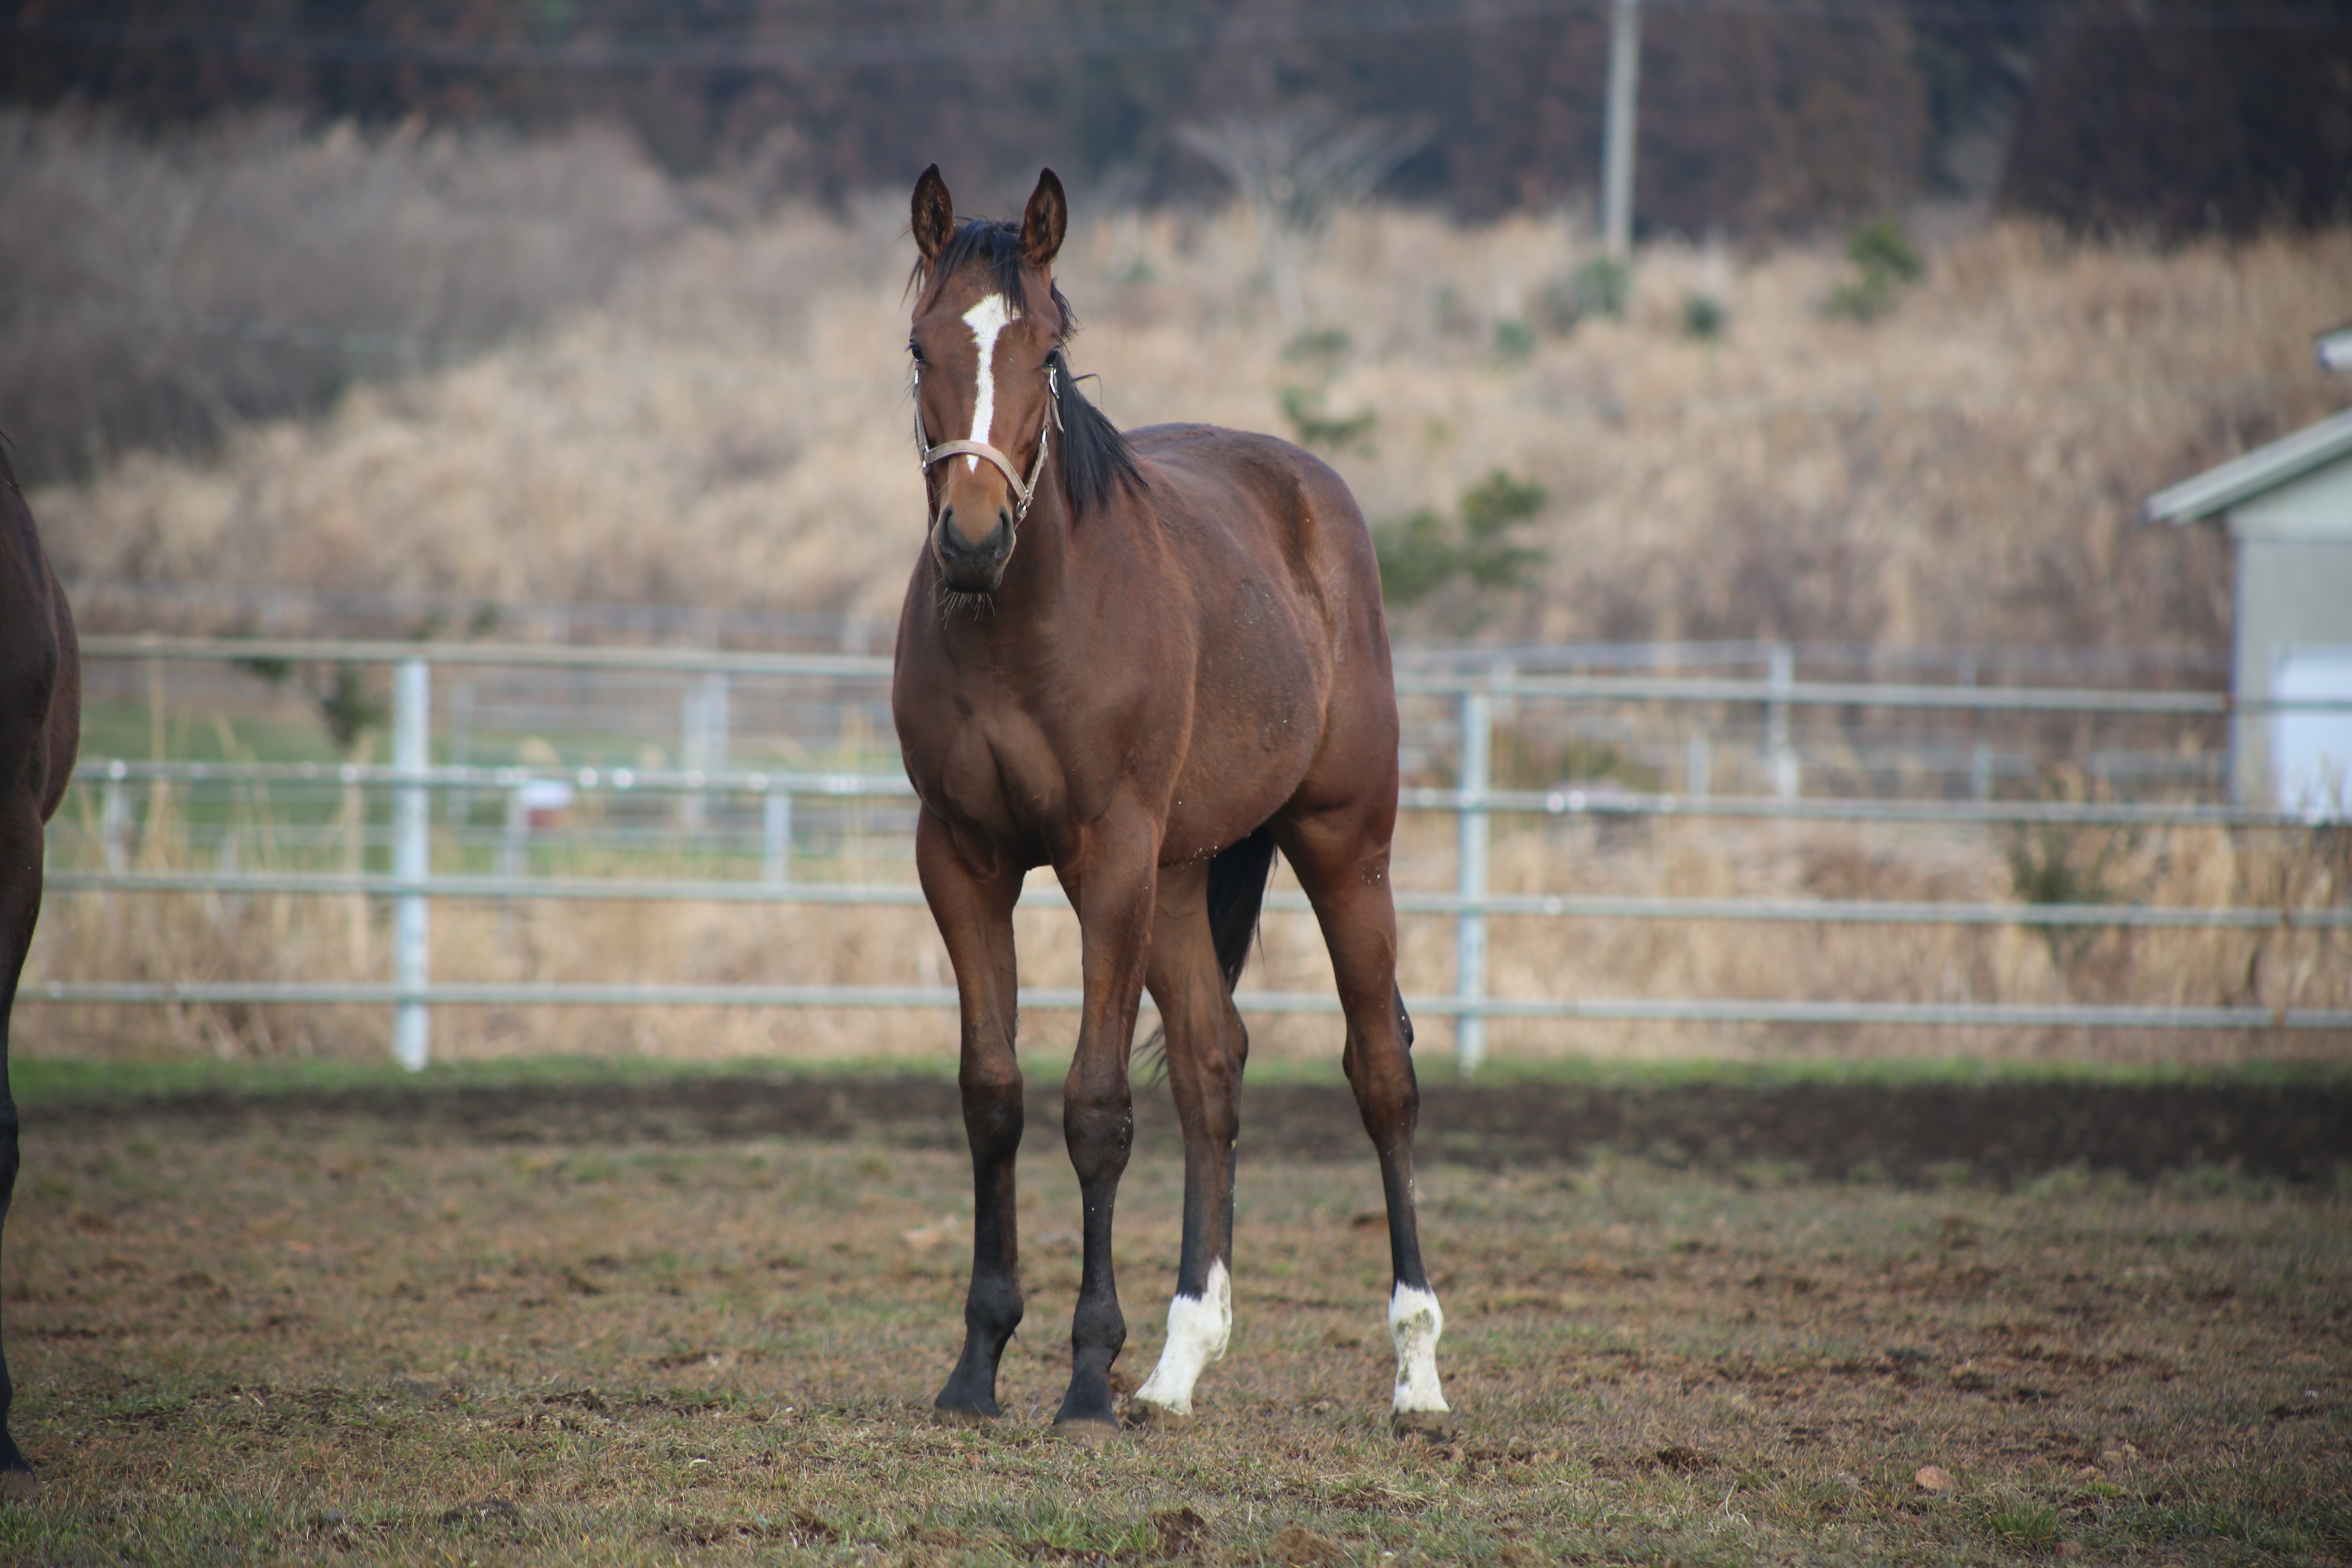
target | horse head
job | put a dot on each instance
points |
(986, 337)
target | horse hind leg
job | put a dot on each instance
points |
(1341, 859)
(1191, 979)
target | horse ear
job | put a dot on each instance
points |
(933, 214)
(1043, 221)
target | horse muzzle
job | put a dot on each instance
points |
(968, 566)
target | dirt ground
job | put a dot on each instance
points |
(701, 1320)
(1909, 1132)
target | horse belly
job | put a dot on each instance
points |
(1252, 742)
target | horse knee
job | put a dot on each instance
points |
(995, 1305)
(1100, 1127)
(1098, 1324)
(994, 1111)
(1388, 1094)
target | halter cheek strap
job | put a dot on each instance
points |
(1024, 490)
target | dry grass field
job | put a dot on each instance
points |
(376, 1324)
(285, 937)
(727, 424)
(707, 406)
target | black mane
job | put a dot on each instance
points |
(1095, 459)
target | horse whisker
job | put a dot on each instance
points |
(951, 601)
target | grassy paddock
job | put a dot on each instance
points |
(323, 1321)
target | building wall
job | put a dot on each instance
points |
(2292, 592)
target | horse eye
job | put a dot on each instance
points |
(916, 349)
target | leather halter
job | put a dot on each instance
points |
(1023, 490)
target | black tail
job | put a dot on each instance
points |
(1237, 878)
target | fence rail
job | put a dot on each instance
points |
(1474, 697)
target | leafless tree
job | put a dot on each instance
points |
(1294, 171)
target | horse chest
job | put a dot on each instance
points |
(997, 776)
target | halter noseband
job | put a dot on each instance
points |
(1023, 490)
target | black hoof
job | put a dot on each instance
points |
(946, 1415)
(1085, 1429)
(959, 1402)
(1439, 1426)
(19, 1486)
(1142, 1412)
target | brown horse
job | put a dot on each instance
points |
(1147, 661)
(40, 730)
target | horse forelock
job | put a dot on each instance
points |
(994, 244)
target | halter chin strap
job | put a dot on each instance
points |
(1024, 490)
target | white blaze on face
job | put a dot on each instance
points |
(1416, 1322)
(1199, 1328)
(987, 318)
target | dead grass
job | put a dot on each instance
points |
(295, 1340)
(273, 937)
(729, 427)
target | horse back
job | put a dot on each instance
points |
(1282, 507)
(40, 660)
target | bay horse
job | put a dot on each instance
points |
(40, 732)
(1150, 661)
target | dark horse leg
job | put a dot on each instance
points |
(1111, 881)
(20, 902)
(1206, 1049)
(40, 730)
(974, 911)
(1342, 857)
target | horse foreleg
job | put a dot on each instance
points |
(1343, 865)
(1206, 1049)
(1111, 883)
(974, 912)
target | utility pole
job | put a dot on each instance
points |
(1617, 150)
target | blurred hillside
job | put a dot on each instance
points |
(706, 408)
(2179, 116)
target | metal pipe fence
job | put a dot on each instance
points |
(1474, 698)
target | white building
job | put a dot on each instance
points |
(2288, 508)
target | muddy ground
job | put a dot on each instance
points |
(1910, 1133)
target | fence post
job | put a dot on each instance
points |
(776, 836)
(411, 856)
(114, 827)
(704, 742)
(1776, 722)
(1470, 880)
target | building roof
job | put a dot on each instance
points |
(2264, 469)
